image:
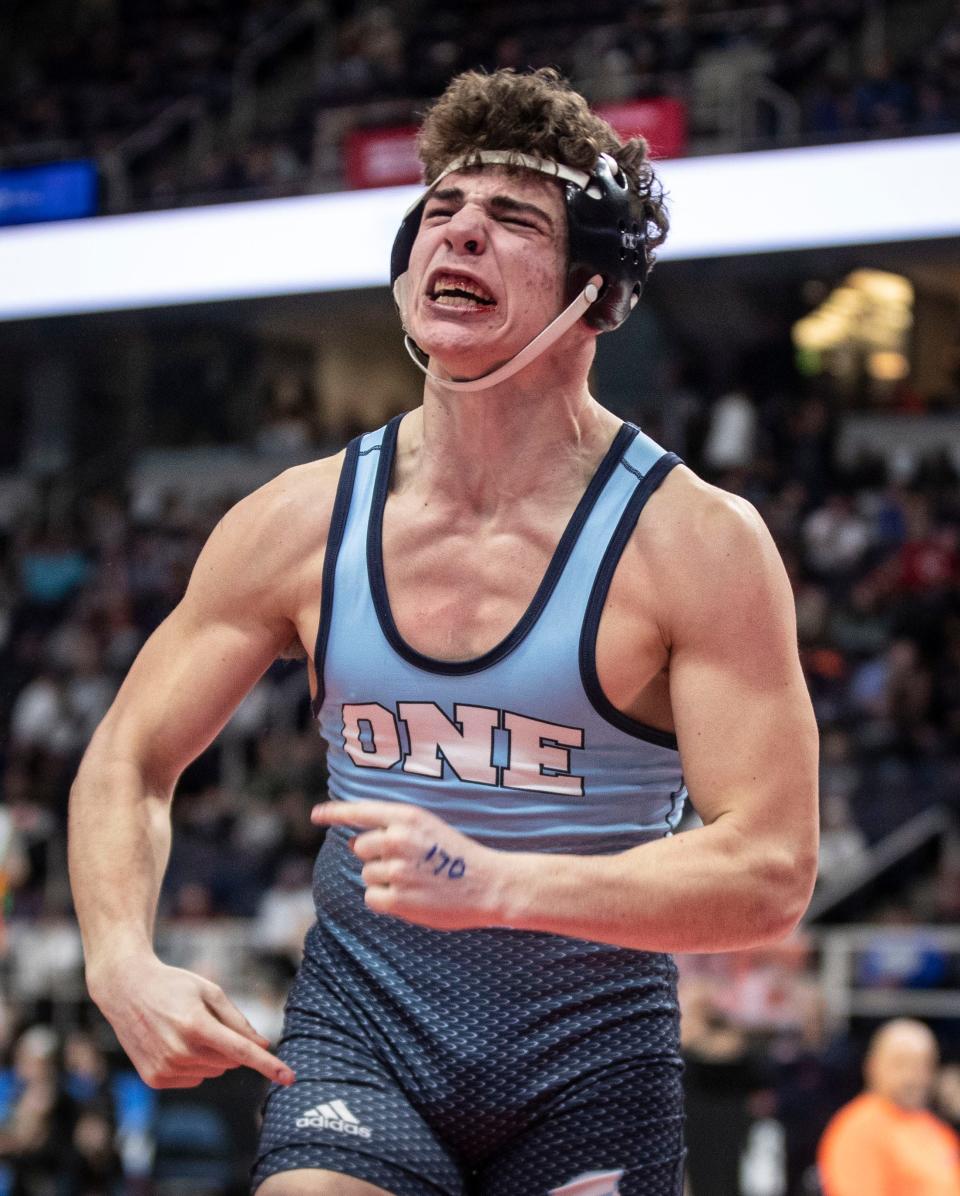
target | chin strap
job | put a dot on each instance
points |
(540, 343)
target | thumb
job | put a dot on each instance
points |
(220, 1004)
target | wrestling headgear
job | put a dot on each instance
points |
(607, 251)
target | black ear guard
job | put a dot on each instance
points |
(605, 225)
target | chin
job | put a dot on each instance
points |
(462, 354)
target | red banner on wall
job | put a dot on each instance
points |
(381, 157)
(388, 157)
(663, 121)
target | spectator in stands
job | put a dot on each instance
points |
(885, 1141)
(36, 1115)
(933, 109)
(884, 101)
(836, 537)
(842, 843)
(731, 437)
(289, 421)
(721, 1075)
(813, 1068)
(14, 867)
(831, 107)
(286, 912)
(92, 1166)
(892, 694)
(947, 1095)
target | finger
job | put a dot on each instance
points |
(380, 899)
(241, 1051)
(379, 872)
(205, 1061)
(369, 845)
(181, 1080)
(195, 1075)
(222, 1007)
(365, 815)
(190, 1071)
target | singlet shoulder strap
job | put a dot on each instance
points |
(338, 521)
(651, 464)
(643, 454)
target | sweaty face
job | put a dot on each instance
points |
(487, 269)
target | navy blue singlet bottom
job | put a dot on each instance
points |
(474, 1063)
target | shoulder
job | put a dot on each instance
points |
(709, 555)
(271, 539)
(863, 1117)
(710, 525)
(289, 513)
(942, 1129)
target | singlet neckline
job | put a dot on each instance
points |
(561, 554)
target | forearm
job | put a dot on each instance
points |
(710, 889)
(119, 843)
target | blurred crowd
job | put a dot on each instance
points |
(93, 72)
(76, 1120)
(80, 79)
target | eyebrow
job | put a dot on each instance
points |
(498, 203)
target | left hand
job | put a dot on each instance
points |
(418, 868)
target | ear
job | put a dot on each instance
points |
(400, 294)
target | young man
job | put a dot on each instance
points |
(518, 609)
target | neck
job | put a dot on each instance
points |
(539, 433)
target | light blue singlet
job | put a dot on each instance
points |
(493, 1060)
(518, 747)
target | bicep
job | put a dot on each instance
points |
(195, 669)
(744, 721)
(184, 685)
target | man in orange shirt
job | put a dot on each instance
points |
(885, 1142)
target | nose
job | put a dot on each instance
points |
(465, 231)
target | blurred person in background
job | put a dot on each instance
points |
(885, 1142)
(722, 1073)
(14, 870)
(813, 1068)
(37, 1116)
(946, 1096)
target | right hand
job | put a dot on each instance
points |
(179, 1029)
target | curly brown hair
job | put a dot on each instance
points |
(535, 113)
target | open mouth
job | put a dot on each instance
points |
(456, 290)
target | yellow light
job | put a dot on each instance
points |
(885, 366)
(882, 287)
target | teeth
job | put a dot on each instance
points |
(454, 286)
(457, 301)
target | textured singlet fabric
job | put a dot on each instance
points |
(488, 1062)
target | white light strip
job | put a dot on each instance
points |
(857, 194)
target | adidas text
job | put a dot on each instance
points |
(333, 1115)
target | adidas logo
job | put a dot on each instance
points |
(333, 1116)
